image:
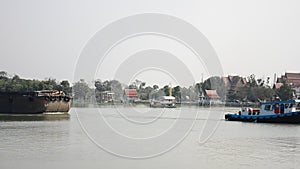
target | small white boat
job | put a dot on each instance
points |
(164, 102)
(270, 112)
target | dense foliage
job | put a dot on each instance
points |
(17, 84)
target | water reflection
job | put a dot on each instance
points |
(34, 117)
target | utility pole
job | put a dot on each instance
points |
(274, 79)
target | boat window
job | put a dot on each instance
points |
(268, 107)
(286, 105)
(291, 105)
(298, 106)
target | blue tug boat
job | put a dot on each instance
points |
(270, 112)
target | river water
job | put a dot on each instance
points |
(140, 137)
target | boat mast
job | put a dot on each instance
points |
(170, 89)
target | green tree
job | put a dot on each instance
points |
(144, 93)
(155, 87)
(254, 90)
(176, 92)
(3, 75)
(81, 91)
(166, 90)
(112, 86)
(285, 92)
(65, 86)
(132, 86)
(185, 95)
(117, 89)
(252, 81)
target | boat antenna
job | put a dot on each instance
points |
(275, 79)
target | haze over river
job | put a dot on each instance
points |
(140, 137)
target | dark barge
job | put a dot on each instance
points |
(37, 102)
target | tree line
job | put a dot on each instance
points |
(147, 92)
(254, 90)
(16, 84)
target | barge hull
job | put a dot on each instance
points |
(32, 103)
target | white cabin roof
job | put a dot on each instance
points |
(168, 97)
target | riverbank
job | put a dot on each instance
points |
(147, 103)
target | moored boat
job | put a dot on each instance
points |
(270, 112)
(44, 101)
(164, 102)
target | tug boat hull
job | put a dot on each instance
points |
(293, 117)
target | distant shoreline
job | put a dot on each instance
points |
(147, 104)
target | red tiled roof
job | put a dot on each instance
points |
(131, 93)
(292, 75)
(212, 94)
(232, 82)
(293, 78)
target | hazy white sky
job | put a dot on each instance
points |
(40, 39)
